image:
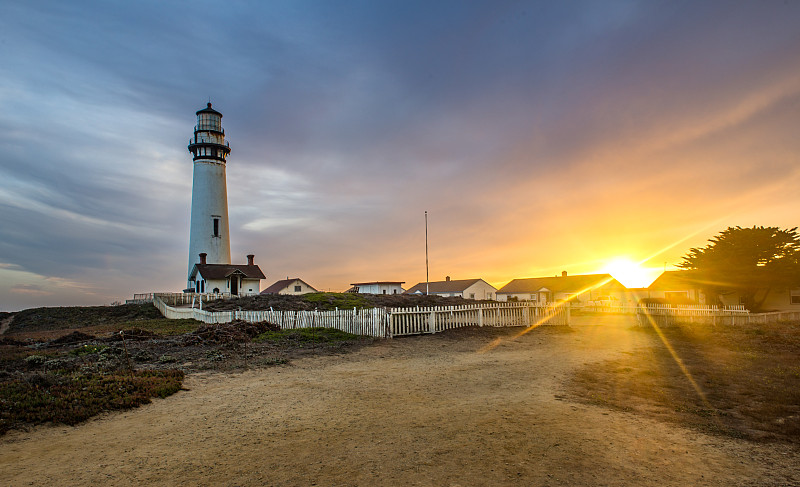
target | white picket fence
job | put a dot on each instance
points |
(177, 299)
(775, 317)
(382, 322)
(666, 315)
(415, 321)
(632, 309)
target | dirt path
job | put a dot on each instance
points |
(416, 411)
(5, 324)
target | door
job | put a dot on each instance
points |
(235, 285)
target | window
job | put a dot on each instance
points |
(297, 289)
(202, 286)
(384, 291)
(795, 296)
(471, 295)
(216, 227)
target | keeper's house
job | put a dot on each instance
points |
(236, 279)
(578, 289)
(465, 288)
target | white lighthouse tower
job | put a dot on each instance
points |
(209, 228)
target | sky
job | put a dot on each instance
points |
(540, 137)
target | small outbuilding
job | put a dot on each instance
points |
(377, 287)
(292, 286)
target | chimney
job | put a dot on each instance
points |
(563, 273)
(203, 258)
(250, 258)
(447, 278)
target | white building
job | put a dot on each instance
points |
(464, 288)
(290, 286)
(578, 289)
(377, 287)
(209, 239)
(234, 279)
(208, 232)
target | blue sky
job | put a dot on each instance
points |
(539, 136)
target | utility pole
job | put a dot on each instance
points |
(427, 277)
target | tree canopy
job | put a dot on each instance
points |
(750, 261)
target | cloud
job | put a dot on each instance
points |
(540, 137)
(30, 289)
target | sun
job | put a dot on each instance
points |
(631, 274)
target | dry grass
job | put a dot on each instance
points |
(740, 381)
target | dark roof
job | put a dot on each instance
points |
(568, 284)
(457, 286)
(283, 284)
(676, 281)
(222, 271)
(208, 109)
(376, 282)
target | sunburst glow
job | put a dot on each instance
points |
(631, 274)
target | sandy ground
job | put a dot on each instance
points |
(429, 410)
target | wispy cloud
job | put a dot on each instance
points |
(540, 137)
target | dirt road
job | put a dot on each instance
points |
(430, 410)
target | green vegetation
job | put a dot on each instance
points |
(306, 335)
(742, 381)
(331, 301)
(42, 319)
(161, 326)
(69, 398)
(748, 261)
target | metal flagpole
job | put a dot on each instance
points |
(427, 277)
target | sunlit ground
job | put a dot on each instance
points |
(742, 381)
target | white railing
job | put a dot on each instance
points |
(385, 323)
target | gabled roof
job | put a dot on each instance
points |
(222, 271)
(283, 284)
(376, 282)
(676, 281)
(452, 286)
(560, 284)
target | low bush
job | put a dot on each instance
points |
(72, 398)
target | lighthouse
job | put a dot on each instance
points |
(208, 232)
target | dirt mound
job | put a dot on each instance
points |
(235, 331)
(60, 318)
(74, 337)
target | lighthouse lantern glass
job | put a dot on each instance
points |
(209, 121)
